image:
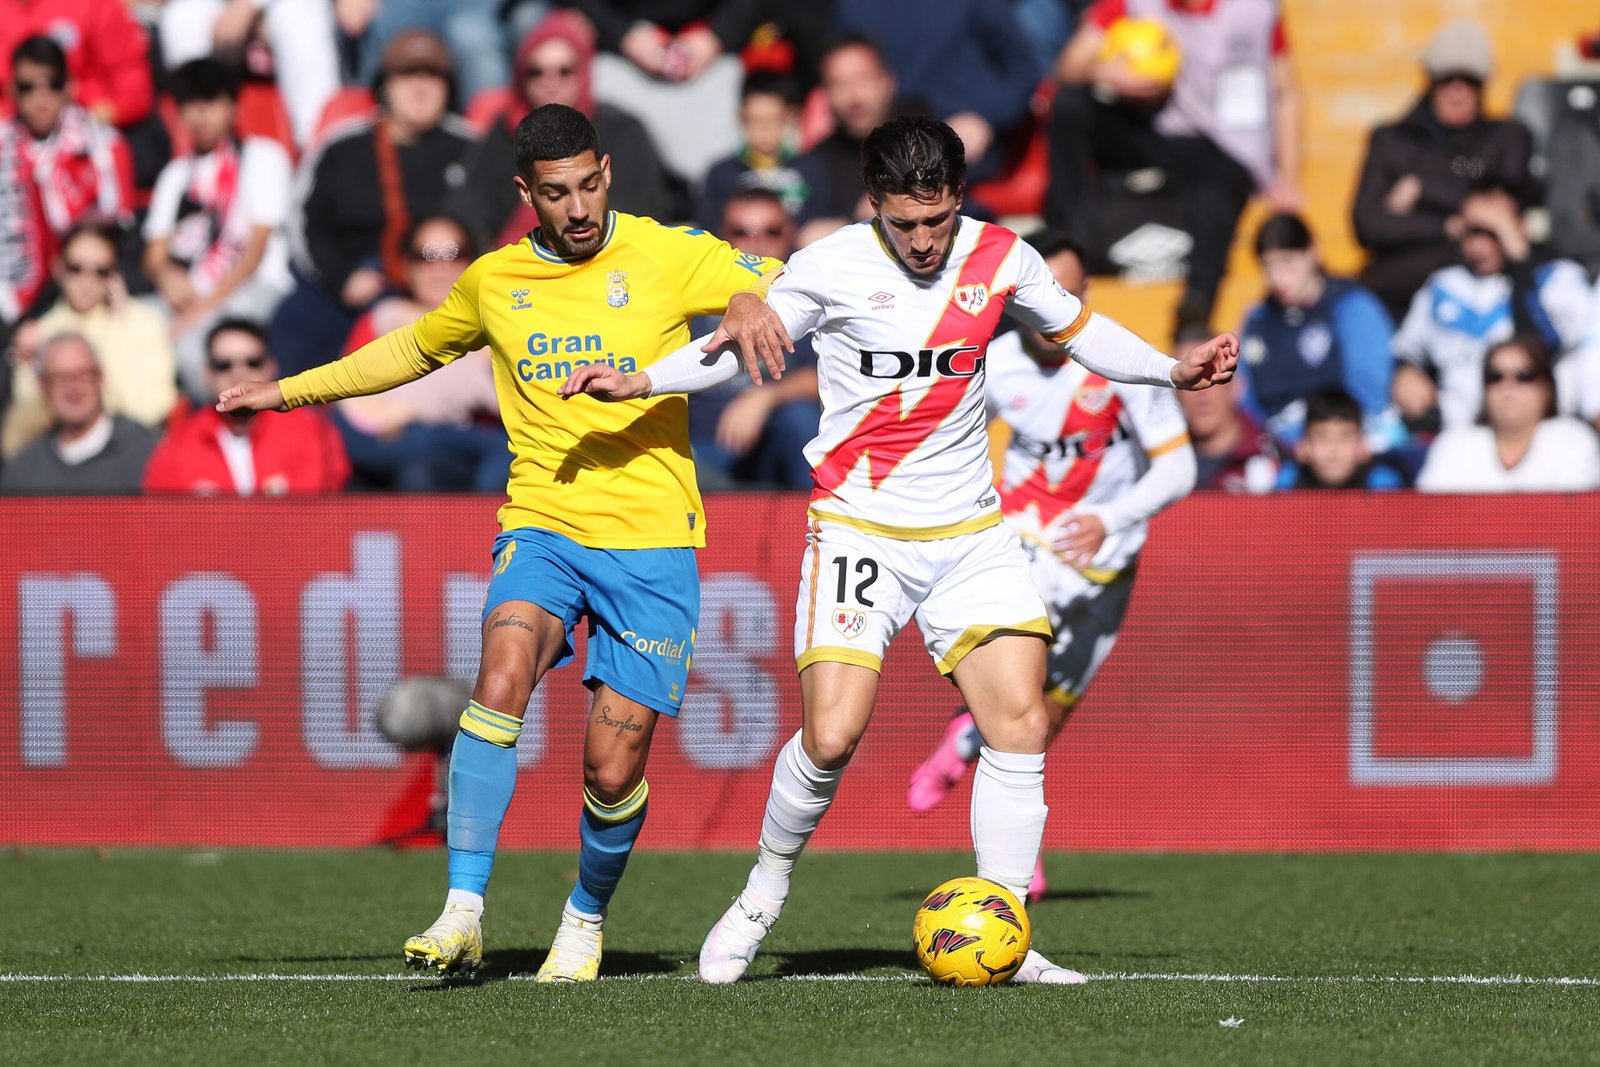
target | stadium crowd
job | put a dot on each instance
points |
(201, 192)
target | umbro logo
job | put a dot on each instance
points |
(881, 300)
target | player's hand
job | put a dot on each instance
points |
(252, 396)
(1208, 363)
(604, 382)
(1077, 538)
(758, 332)
(743, 419)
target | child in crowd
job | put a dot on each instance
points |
(1333, 453)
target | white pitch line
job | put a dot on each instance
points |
(1115, 976)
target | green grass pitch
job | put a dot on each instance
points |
(293, 957)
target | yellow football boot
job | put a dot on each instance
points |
(453, 945)
(575, 952)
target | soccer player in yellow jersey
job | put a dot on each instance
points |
(603, 516)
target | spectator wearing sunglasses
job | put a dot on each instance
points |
(59, 165)
(214, 246)
(745, 436)
(1520, 443)
(88, 450)
(273, 453)
(442, 433)
(105, 48)
(1461, 311)
(133, 347)
(552, 67)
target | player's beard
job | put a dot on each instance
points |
(566, 246)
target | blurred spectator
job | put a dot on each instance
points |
(768, 116)
(471, 29)
(1313, 332)
(1572, 189)
(355, 197)
(215, 247)
(553, 64)
(1228, 123)
(676, 67)
(207, 453)
(1420, 169)
(1046, 25)
(967, 58)
(1521, 443)
(59, 165)
(105, 50)
(741, 433)
(1332, 453)
(861, 92)
(133, 351)
(299, 33)
(87, 451)
(438, 434)
(1232, 451)
(1462, 310)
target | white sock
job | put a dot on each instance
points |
(465, 898)
(799, 799)
(1008, 814)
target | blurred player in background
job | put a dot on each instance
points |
(1090, 462)
(604, 512)
(904, 517)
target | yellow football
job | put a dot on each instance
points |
(971, 931)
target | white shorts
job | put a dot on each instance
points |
(1085, 613)
(858, 589)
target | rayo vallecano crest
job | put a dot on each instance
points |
(972, 298)
(849, 622)
(617, 288)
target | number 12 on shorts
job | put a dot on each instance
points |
(854, 586)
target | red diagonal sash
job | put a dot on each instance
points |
(886, 435)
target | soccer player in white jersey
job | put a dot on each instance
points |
(1089, 463)
(904, 519)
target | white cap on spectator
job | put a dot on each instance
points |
(1459, 49)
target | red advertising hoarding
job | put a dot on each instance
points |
(1308, 671)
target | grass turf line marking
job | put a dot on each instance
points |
(1115, 976)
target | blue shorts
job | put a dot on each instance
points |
(643, 606)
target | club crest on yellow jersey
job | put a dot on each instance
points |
(972, 298)
(617, 288)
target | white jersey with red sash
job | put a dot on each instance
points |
(902, 449)
(1077, 440)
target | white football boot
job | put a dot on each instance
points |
(1035, 968)
(732, 943)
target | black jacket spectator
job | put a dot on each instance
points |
(341, 225)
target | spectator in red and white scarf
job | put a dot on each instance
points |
(59, 165)
(215, 247)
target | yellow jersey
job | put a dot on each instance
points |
(607, 475)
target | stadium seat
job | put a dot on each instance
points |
(350, 102)
(1545, 104)
(488, 105)
(262, 114)
(1025, 174)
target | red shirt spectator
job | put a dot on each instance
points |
(290, 452)
(107, 51)
(271, 454)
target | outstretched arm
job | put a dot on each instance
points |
(1112, 351)
(383, 363)
(687, 370)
